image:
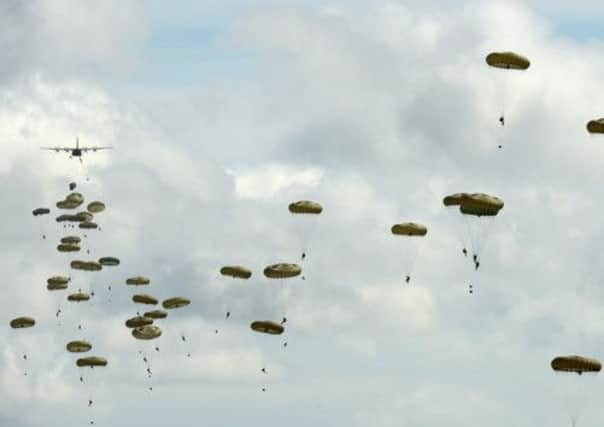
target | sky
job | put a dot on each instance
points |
(220, 114)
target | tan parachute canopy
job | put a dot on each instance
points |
(40, 211)
(73, 240)
(282, 271)
(267, 327)
(109, 261)
(75, 198)
(91, 361)
(86, 265)
(78, 296)
(68, 247)
(138, 281)
(56, 286)
(66, 217)
(22, 322)
(137, 321)
(58, 280)
(156, 314)
(147, 332)
(478, 204)
(305, 207)
(175, 302)
(84, 216)
(507, 60)
(596, 126)
(236, 271)
(96, 207)
(78, 346)
(145, 299)
(409, 229)
(577, 364)
(88, 225)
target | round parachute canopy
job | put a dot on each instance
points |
(478, 204)
(84, 216)
(74, 240)
(68, 247)
(96, 207)
(138, 281)
(72, 186)
(145, 299)
(86, 265)
(236, 271)
(91, 361)
(78, 297)
(75, 198)
(267, 327)
(156, 314)
(282, 271)
(147, 332)
(409, 229)
(58, 280)
(305, 207)
(40, 211)
(78, 346)
(56, 286)
(577, 364)
(64, 204)
(109, 261)
(507, 60)
(66, 218)
(595, 126)
(88, 225)
(22, 322)
(138, 321)
(175, 302)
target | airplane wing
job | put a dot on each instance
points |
(85, 149)
(57, 149)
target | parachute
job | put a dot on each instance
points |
(236, 271)
(595, 126)
(91, 361)
(88, 225)
(86, 265)
(138, 281)
(411, 231)
(305, 222)
(74, 240)
(96, 207)
(147, 332)
(144, 299)
(156, 314)
(56, 286)
(305, 207)
(506, 61)
(576, 364)
(68, 247)
(175, 302)
(78, 346)
(282, 271)
(576, 375)
(40, 211)
(78, 297)
(138, 321)
(22, 322)
(267, 327)
(109, 261)
(58, 280)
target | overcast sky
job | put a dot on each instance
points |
(221, 113)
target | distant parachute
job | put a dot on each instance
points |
(175, 302)
(88, 225)
(68, 247)
(22, 322)
(282, 271)
(40, 211)
(96, 207)
(78, 346)
(92, 361)
(409, 229)
(58, 280)
(145, 299)
(86, 265)
(78, 297)
(305, 222)
(576, 364)
(478, 204)
(596, 126)
(135, 322)
(138, 281)
(305, 207)
(56, 286)
(71, 240)
(236, 271)
(147, 332)
(267, 327)
(109, 261)
(156, 314)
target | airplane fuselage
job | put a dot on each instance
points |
(76, 153)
